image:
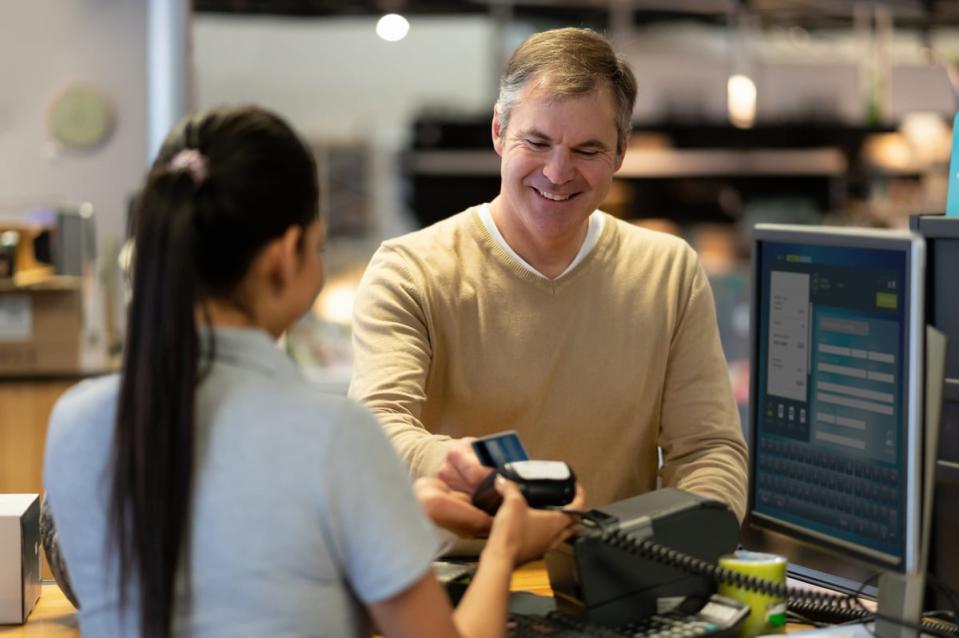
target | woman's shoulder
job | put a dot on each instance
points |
(93, 389)
(310, 406)
(81, 425)
(91, 399)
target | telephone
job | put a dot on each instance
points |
(646, 566)
(599, 576)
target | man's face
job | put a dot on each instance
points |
(558, 159)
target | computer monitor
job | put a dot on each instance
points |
(836, 401)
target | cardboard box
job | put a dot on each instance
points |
(43, 330)
(19, 556)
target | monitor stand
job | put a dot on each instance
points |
(900, 598)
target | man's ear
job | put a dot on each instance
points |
(622, 154)
(497, 139)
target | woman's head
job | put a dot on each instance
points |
(227, 182)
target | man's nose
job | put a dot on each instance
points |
(559, 167)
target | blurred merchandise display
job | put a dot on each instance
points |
(324, 351)
(321, 342)
(52, 304)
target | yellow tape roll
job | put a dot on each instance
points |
(767, 614)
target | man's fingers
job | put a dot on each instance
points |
(461, 470)
(451, 477)
(461, 497)
(429, 483)
(464, 461)
(471, 521)
(579, 501)
(462, 518)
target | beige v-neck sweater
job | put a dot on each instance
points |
(620, 355)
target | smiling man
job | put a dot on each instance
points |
(594, 339)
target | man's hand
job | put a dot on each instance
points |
(461, 471)
(450, 509)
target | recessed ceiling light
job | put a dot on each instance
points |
(392, 27)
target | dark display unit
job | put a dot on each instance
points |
(942, 311)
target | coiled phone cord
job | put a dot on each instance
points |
(654, 551)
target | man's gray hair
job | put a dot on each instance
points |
(568, 62)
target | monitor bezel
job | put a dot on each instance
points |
(782, 533)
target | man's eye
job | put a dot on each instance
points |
(537, 144)
(585, 152)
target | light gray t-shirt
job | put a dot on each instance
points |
(301, 509)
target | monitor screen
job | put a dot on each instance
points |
(835, 391)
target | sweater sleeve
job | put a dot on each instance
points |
(701, 438)
(392, 354)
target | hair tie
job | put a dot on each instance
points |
(191, 160)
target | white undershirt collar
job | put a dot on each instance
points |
(596, 222)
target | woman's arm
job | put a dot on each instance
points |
(423, 610)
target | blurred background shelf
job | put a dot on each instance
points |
(647, 162)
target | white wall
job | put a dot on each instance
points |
(44, 47)
(335, 78)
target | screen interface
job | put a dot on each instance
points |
(831, 408)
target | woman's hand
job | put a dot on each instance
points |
(507, 536)
(545, 529)
(529, 533)
(541, 529)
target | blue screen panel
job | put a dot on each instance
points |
(832, 405)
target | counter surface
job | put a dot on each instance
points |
(55, 617)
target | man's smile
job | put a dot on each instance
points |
(554, 197)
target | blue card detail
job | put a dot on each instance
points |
(496, 449)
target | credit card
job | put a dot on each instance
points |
(496, 449)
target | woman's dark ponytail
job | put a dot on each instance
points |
(153, 451)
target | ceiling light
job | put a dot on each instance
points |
(392, 27)
(741, 101)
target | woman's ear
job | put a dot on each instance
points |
(285, 257)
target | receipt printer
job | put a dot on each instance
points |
(612, 585)
(19, 556)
